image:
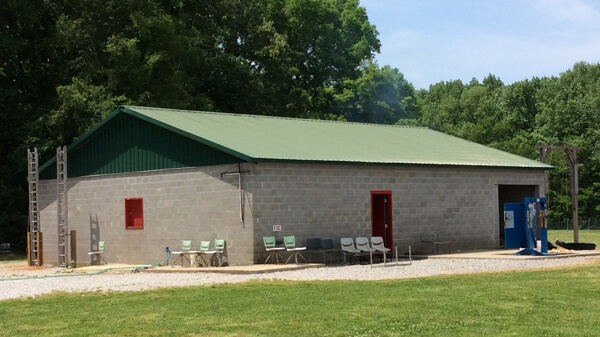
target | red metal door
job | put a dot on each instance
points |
(381, 216)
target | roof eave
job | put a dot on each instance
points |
(401, 164)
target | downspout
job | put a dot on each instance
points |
(240, 191)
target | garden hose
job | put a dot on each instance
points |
(89, 274)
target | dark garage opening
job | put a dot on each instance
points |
(512, 193)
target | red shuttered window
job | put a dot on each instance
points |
(134, 213)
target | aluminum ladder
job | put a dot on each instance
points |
(34, 223)
(61, 206)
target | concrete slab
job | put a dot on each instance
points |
(111, 268)
(509, 254)
(254, 269)
(268, 268)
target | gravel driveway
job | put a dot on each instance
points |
(141, 281)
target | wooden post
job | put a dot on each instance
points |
(545, 157)
(571, 152)
(28, 248)
(73, 246)
(40, 241)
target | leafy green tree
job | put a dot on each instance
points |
(83, 106)
(440, 106)
(68, 63)
(26, 91)
(515, 118)
(571, 115)
(276, 57)
(381, 95)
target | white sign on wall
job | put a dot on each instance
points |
(276, 228)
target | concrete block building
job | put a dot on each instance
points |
(147, 178)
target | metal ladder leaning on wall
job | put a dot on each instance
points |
(34, 228)
(61, 206)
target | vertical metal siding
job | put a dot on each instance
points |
(128, 144)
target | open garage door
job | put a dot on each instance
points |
(512, 194)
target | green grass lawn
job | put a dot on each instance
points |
(592, 236)
(559, 302)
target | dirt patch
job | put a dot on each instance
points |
(21, 269)
(9, 268)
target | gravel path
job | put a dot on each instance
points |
(142, 281)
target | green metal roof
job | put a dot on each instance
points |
(266, 139)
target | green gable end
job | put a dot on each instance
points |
(124, 143)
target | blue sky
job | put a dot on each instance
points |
(442, 40)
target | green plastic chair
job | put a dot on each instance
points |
(220, 250)
(186, 245)
(98, 254)
(272, 249)
(204, 246)
(290, 246)
(204, 250)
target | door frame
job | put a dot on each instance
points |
(512, 193)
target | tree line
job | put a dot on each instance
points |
(514, 118)
(66, 64)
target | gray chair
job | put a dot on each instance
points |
(377, 244)
(362, 244)
(348, 248)
(435, 239)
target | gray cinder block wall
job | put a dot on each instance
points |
(192, 204)
(307, 200)
(333, 201)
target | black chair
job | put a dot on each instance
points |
(313, 246)
(324, 247)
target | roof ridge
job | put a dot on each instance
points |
(133, 107)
